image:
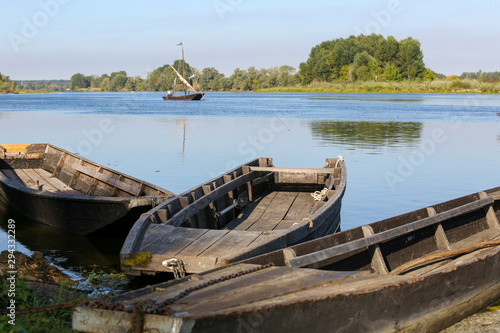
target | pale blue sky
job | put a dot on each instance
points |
(54, 39)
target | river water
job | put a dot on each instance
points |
(402, 152)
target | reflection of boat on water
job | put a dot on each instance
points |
(69, 251)
(190, 93)
(69, 192)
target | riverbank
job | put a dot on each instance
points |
(457, 86)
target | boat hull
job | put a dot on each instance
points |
(187, 97)
(75, 211)
(417, 272)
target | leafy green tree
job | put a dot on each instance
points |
(7, 86)
(79, 81)
(387, 50)
(428, 75)
(117, 81)
(391, 72)
(285, 76)
(105, 82)
(410, 58)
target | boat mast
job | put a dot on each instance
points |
(183, 66)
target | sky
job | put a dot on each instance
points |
(54, 39)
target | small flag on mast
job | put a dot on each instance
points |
(179, 44)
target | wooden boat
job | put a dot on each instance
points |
(190, 93)
(252, 209)
(68, 192)
(417, 272)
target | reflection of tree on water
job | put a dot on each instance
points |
(367, 134)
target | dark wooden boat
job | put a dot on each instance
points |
(190, 93)
(417, 272)
(252, 209)
(187, 97)
(68, 192)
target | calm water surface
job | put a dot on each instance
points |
(402, 152)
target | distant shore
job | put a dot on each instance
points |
(406, 87)
(458, 86)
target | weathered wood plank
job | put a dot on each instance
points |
(293, 170)
(251, 213)
(97, 320)
(202, 243)
(56, 183)
(108, 180)
(33, 177)
(231, 242)
(299, 209)
(275, 212)
(165, 239)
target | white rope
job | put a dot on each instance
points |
(340, 158)
(319, 194)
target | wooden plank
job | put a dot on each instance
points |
(15, 148)
(378, 263)
(108, 180)
(300, 207)
(296, 177)
(251, 213)
(200, 244)
(201, 203)
(27, 180)
(491, 217)
(442, 242)
(59, 165)
(324, 255)
(41, 181)
(97, 320)
(233, 241)
(169, 241)
(56, 183)
(275, 212)
(293, 170)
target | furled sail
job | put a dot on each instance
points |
(183, 79)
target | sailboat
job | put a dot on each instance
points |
(190, 94)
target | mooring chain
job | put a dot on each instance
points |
(147, 306)
(162, 307)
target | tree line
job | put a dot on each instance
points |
(356, 58)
